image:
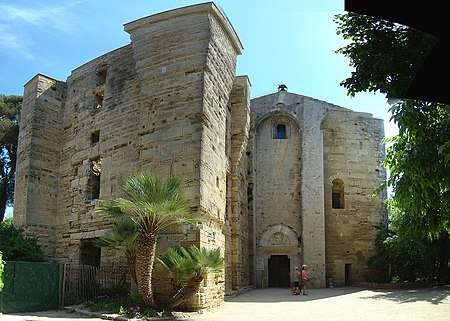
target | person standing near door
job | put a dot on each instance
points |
(304, 278)
(297, 277)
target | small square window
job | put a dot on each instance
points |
(95, 137)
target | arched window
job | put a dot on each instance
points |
(337, 194)
(281, 131)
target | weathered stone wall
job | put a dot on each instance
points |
(353, 153)
(115, 123)
(36, 189)
(240, 226)
(277, 186)
(313, 235)
(292, 186)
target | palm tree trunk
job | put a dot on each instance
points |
(187, 291)
(145, 257)
(131, 262)
(3, 197)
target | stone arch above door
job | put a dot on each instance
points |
(279, 235)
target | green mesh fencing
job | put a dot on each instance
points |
(30, 286)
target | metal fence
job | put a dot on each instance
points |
(84, 282)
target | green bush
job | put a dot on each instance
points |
(108, 305)
(131, 305)
(17, 247)
(1, 271)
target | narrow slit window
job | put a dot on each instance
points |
(337, 194)
(101, 76)
(99, 97)
(94, 179)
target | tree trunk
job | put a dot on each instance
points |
(3, 200)
(145, 257)
(444, 254)
(187, 291)
(131, 262)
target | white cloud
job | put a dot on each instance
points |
(17, 23)
(53, 17)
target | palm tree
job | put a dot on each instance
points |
(188, 268)
(122, 238)
(152, 205)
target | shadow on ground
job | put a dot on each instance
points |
(435, 295)
(274, 295)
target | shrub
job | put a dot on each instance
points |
(17, 247)
(1, 271)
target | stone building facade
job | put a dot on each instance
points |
(277, 181)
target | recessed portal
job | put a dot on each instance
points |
(279, 275)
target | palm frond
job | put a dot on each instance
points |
(179, 265)
(185, 264)
(121, 237)
(151, 205)
(111, 208)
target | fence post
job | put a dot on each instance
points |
(62, 284)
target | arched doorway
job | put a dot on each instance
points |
(279, 274)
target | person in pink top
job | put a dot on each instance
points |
(305, 278)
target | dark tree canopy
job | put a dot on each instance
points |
(10, 107)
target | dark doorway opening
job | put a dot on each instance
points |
(348, 274)
(279, 275)
(90, 254)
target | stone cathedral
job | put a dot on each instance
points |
(278, 181)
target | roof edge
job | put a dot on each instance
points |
(210, 7)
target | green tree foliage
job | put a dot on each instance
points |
(2, 264)
(419, 162)
(9, 132)
(152, 205)
(188, 268)
(400, 252)
(419, 167)
(16, 247)
(386, 57)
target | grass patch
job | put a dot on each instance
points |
(123, 305)
(108, 305)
